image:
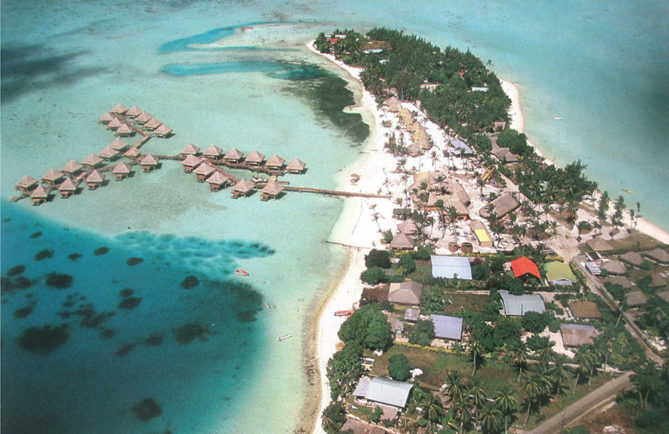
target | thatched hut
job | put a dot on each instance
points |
(500, 206)
(133, 152)
(212, 151)
(190, 149)
(599, 245)
(408, 227)
(658, 254)
(125, 131)
(152, 124)
(67, 188)
(120, 109)
(218, 180)
(114, 124)
(119, 145)
(271, 191)
(242, 188)
(52, 177)
(632, 258)
(296, 166)
(108, 153)
(234, 155)
(95, 180)
(143, 118)
(92, 161)
(26, 183)
(105, 118)
(401, 241)
(133, 112)
(71, 168)
(614, 267)
(275, 162)
(148, 163)
(40, 195)
(121, 171)
(255, 158)
(191, 162)
(163, 131)
(203, 171)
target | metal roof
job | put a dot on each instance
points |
(447, 327)
(387, 391)
(519, 305)
(448, 266)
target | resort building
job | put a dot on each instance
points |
(121, 171)
(559, 273)
(636, 298)
(411, 314)
(401, 241)
(242, 188)
(114, 124)
(163, 131)
(190, 149)
(574, 335)
(408, 227)
(120, 109)
(584, 310)
(481, 233)
(71, 168)
(40, 195)
(95, 180)
(519, 305)
(26, 183)
(384, 391)
(191, 162)
(203, 171)
(218, 180)
(255, 158)
(396, 324)
(593, 268)
(449, 267)
(407, 292)
(148, 163)
(105, 118)
(143, 118)
(500, 206)
(133, 152)
(658, 255)
(613, 266)
(599, 245)
(623, 281)
(632, 258)
(133, 112)
(125, 131)
(91, 162)
(447, 327)
(213, 152)
(67, 188)
(275, 162)
(52, 177)
(524, 266)
(108, 153)
(296, 166)
(271, 191)
(152, 124)
(234, 156)
(119, 145)
(505, 156)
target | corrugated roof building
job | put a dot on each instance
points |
(447, 267)
(519, 305)
(384, 391)
(447, 327)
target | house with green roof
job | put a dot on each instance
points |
(559, 273)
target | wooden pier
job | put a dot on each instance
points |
(132, 125)
(337, 192)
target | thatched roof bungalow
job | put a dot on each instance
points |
(190, 149)
(401, 241)
(658, 255)
(407, 292)
(575, 335)
(255, 158)
(148, 163)
(614, 267)
(114, 124)
(636, 298)
(296, 166)
(234, 155)
(125, 131)
(408, 227)
(121, 171)
(271, 190)
(505, 156)
(71, 168)
(26, 183)
(584, 310)
(119, 145)
(108, 153)
(500, 206)
(133, 112)
(92, 161)
(152, 124)
(242, 188)
(275, 162)
(40, 195)
(191, 162)
(132, 152)
(120, 109)
(218, 180)
(143, 118)
(105, 118)
(203, 171)
(212, 151)
(52, 177)
(95, 180)
(599, 245)
(632, 258)
(163, 131)
(67, 188)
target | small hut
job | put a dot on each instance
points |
(218, 180)
(119, 145)
(133, 152)
(91, 162)
(190, 149)
(121, 171)
(599, 245)
(114, 124)
(191, 162)
(71, 168)
(148, 163)
(40, 195)
(26, 183)
(203, 171)
(275, 162)
(120, 109)
(143, 118)
(242, 188)
(401, 241)
(271, 191)
(296, 166)
(152, 124)
(95, 180)
(125, 131)
(108, 153)
(67, 188)
(52, 177)
(105, 118)
(658, 255)
(255, 158)
(134, 111)
(233, 156)
(163, 131)
(408, 227)
(213, 152)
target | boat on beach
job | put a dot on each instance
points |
(242, 272)
(343, 313)
(284, 337)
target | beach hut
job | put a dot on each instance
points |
(95, 180)
(191, 162)
(241, 188)
(148, 163)
(71, 168)
(152, 124)
(105, 118)
(296, 166)
(524, 266)
(632, 258)
(658, 255)
(114, 124)
(91, 162)
(108, 153)
(275, 162)
(40, 195)
(124, 131)
(255, 158)
(119, 145)
(133, 112)
(52, 177)
(584, 310)
(218, 180)
(614, 267)
(26, 183)
(143, 118)
(500, 206)
(271, 190)
(623, 281)
(121, 171)
(636, 298)
(384, 391)
(408, 227)
(163, 131)
(203, 171)
(407, 292)
(234, 156)
(575, 335)
(67, 188)
(401, 241)
(213, 152)
(120, 109)
(132, 152)
(599, 245)
(190, 149)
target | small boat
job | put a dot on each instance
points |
(627, 191)
(557, 118)
(242, 272)
(343, 313)
(284, 337)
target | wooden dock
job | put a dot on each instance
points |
(132, 125)
(337, 192)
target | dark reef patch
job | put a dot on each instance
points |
(68, 304)
(134, 261)
(15, 271)
(74, 256)
(35, 235)
(147, 409)
(43, 340)
(59, 281)
(129, 302)
(190, 282)
(23, 312)
(101, 251)
(125, 349)
(126, 292)
(44, 254)
(189, 332)
(106, 333)
(248, 315)
(154, 340)
(8, 284)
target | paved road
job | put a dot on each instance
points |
(592, 400)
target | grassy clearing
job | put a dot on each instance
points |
(465, 301)
(637, 241)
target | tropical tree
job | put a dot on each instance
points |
(546, 356)
(533, 389)
(559, 375)
(432, 409)
(476, 353)
(334, 417)
(647, 381)
(462, 414)
(477, 394)
(506, 403)
(519, 358)
(455, 386)
(585, 358)
(490, 419)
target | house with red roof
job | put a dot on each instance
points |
(524, 266)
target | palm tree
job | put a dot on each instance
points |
(490, 419)
(477, 394)
(455, 387)
(586, 360)
(647, 381)
(546, 356)
(559, 374)
(506, 402)
(432, 409)
(462, 414)
(519, 358)
(476, 353)
(533, 389)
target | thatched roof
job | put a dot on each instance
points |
(632, 258)
(407, 292)
(52, 175)
(133, 152)
(504, 155)
(296, 165)
(658, 254)
(71, 166)
(143, 118)
(118, 144)
(190, 149)
(152, 124)
(574, 335)
(501, 206)
(26, 181)
(41, 192)
(624, 282)
(275, 161)
(67, 185)
(408, 227)
(217, 178)
(108, 153)
(114, 124)
(120, 109)
(234, 154)
(636, 298)
(148, 160)
(91, 160)
(95, 177)
(657, 281)
(163, 130)
(105, 118)
(255, 157)
(599, 245)
(401, 241)
(134, 111)
(191, 161)
(124, 130)
(614, 267)
(213, 151)
(664, 295)
(204, 169)
(243, 186)
(272, 188)
(584, 309)
(121, 169)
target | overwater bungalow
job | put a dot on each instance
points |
(134, 112)
(26, 183)
(190, 149)
(163, 131)
(92, 161)
(203, 171)
(40, 195)
(213, 151)
(255, 158)
(271, 191)
(114, 124)
(121, 171)
(119, 145)
(191, 162)
(234, 156)
(152, 124)
(120, 109)
(218, 180)
(52, 177)
(94, 180)
(71, 168)
(125, 131)
(108, 153)
(148, 163)
(133, 152)
(67, 188)
(275, 162)
(105, 118)
(242, 188)
(143, 118)
(296, 166)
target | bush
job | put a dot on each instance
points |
(407, 264)
(534, 322)
(616, 291)
(516, 142)
(554, 325)
(373, 276)
(480, 271)
(398, 367)
(376, 415)
(378, 258)
(537, 343)
(423, 253)
(388, 236)
(334, 417)
(422, 333)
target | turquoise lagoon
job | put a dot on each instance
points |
(237, 74)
